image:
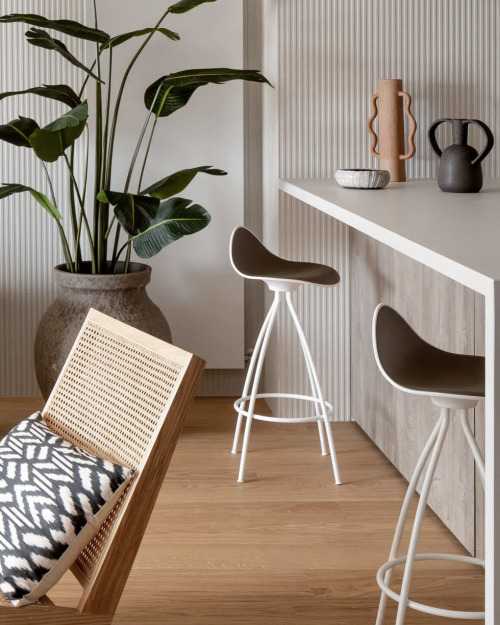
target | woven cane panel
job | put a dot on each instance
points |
(90, 556)
(111, 396)
(109, 402)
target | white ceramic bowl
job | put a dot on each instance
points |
(362, 178)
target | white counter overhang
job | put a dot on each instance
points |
(457, 234)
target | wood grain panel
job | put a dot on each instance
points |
(442, 312)
(479, 427)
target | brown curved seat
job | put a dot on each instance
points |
(418, 367)
(252, 260)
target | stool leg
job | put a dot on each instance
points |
(324, 450)
(256, 380)
(316, 389)
(417, 525)
(476, 452)
(248, 379)
(310, 373)
(412, 487)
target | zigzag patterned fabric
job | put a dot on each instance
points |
(49, 492)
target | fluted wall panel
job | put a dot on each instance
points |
(29, 241)
(331, 54)
(30, 245)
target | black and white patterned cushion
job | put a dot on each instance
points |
(53, 499)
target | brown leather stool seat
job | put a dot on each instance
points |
(251, 259)
(416, 366)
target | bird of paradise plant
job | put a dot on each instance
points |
(152, 217)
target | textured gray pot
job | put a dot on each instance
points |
(122, 296)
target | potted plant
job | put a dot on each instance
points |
(106, 220)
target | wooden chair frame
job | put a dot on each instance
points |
(151, 377)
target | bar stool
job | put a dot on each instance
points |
(453, 382)
(252, 260)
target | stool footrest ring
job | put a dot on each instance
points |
(319, 417)
(422, 607)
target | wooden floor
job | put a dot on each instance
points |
(287, 547)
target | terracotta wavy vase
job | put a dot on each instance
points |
(391, 139)
(122, 296)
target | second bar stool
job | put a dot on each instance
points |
(252, 260)
(453, 382)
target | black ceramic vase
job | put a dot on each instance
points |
(460, 164)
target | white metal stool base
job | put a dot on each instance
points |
(422, 607)
(315, 400)
(249, 396)
(430, 457)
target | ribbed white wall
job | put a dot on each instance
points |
(331, 54)
(30, 245)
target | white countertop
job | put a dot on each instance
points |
(457, 234)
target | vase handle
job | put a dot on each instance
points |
(369, 125)
(413, 127)
(490, 140)
(431, 133)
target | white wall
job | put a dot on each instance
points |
(192, 281)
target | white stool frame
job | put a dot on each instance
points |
(323, 408)
(431, 452)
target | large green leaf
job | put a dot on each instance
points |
(43, 200)
(61, 93)
(186, 5)
(51, 142)
(119, 39)
(175, 183)
(42, 39)
(176, 218)
(18, 131)
(134, 212)
(175, 90)
(68, 27)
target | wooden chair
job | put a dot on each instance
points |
(122, 395)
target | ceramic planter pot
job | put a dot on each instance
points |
(119, 295)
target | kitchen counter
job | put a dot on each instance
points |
(457, 235)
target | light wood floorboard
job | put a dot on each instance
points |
(286, 547)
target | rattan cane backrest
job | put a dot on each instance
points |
(121, 395)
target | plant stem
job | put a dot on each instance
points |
(108, 109)
(127, 243)
(108, 231)
(73, 179)
(139, 142)
(115, 247)
(127, 258)
(82, 211)
(98, 213)
(146, 155)
(65, 246)
(86, 173)
(72, 205)
(51, 186)
(62, 234)
(82, 214)
(85, 81)
(119, 98)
